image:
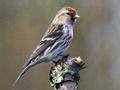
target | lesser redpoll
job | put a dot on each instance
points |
(55, 41)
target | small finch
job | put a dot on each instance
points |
(55, 41)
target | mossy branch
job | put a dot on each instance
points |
(64, 75)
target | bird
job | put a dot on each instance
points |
(56, 40)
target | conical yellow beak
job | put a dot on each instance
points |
(77, 16)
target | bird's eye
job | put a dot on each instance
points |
(68, 13)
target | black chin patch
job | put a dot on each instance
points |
(73, 19)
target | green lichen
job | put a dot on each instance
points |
(58, 73)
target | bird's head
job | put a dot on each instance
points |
(66, 15)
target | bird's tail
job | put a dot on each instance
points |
(22, 73)
(26, 68)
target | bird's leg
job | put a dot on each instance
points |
(62, 57)
(65, 55)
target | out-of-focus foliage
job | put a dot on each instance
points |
(96, 40)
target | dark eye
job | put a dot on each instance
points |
(68, 14)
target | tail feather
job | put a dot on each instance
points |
(26, 68)
(26, 64)
(22, 73)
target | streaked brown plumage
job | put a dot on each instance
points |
(55, 41)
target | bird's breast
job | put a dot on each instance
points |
(68, 32)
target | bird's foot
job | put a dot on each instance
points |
(65, 56)
(61, 58)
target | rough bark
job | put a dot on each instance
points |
(64, 75)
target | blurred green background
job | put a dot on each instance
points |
(96, 40)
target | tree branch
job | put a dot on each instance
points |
(64, 75)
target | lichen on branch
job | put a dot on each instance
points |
(65, 73)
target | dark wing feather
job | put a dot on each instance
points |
(54, 33)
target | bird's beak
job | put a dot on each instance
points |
(76, 16)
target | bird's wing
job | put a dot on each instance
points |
(53, 33)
